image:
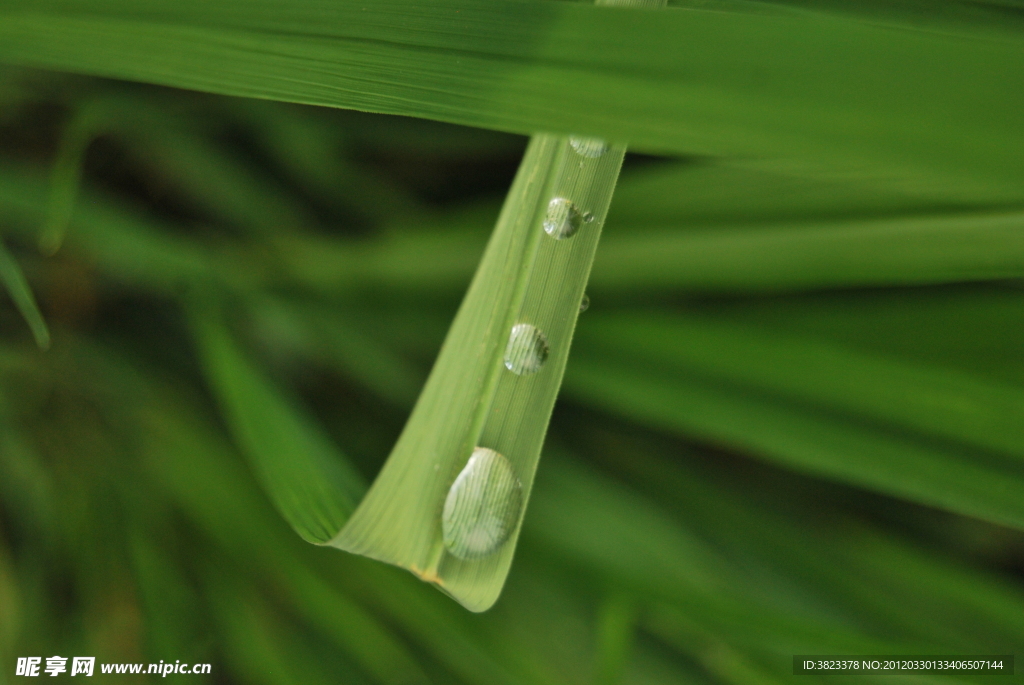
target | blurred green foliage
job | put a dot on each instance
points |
(791, 421)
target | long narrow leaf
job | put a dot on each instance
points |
(928, 399)
(312, 486)
(904, 251)
(496, 379)
(802, 437)
(917, 108)
(17, 287)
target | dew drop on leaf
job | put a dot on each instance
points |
(584, 303)
(563, 219)
(588, 147)
(527, 349)
(482, 506)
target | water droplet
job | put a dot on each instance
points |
(527, 349)
(587, 217)
(482, 506)
(588, 147)
(563, 219)
(584, 303)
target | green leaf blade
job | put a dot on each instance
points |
(13, 279)
(824, 93)
(472, 399)
(310, 483)
(806, 434)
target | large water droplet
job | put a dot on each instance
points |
(527, 349)
(588, 147)
(563, 219)
(482, 507)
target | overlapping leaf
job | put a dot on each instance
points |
(914, 106)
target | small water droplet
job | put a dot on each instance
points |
(563, 219)
(584, 303)
(527, 349)
(588, 147)
(482, 506)
(587, 217)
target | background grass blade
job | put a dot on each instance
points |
(65, 177)
(903, 251)
(716, 247)
(132, 246)
(929, 400)
(21, 294)
(805, 434)
(312, 486)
